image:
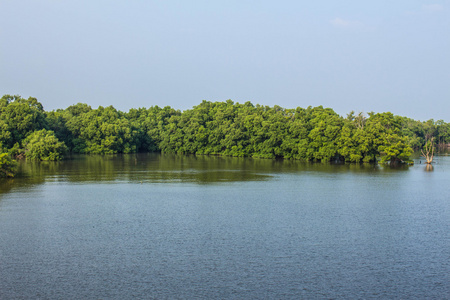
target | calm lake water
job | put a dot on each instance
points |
(174, 227)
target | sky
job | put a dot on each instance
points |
(348, 55)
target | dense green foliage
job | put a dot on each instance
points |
(7, 165)
(214, 128)
(18, 118)
(43, 145)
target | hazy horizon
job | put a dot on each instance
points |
(381, 56)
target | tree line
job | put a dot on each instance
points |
(210, 128)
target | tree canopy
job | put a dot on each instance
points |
(43, 145)
(214, 128)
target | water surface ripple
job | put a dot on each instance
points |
(175, 227)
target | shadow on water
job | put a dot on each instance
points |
(158, 168)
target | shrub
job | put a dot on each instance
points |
(44, 145)
(7, 165)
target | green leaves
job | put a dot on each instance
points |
(43, 145)
(7, 166)
(101, 131)
(394, 149)
(213, 128)
(18, 118)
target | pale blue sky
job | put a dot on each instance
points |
(347, 55)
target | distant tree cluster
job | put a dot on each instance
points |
(214, 128)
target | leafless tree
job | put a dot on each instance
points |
(429, 150)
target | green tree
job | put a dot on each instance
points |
(395, 149)
(43, 145)
(221, 128)
(102, 130)
(385, 138)
(325, 129)
(7, 165)
(18, 118)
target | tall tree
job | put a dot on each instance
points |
(18, 118)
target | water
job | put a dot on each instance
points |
(176, 227)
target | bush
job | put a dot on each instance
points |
(44, 145)
(7, 165)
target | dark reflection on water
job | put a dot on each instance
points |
(155, 167)
(168, 227)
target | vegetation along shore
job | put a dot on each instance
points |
(210, 128)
